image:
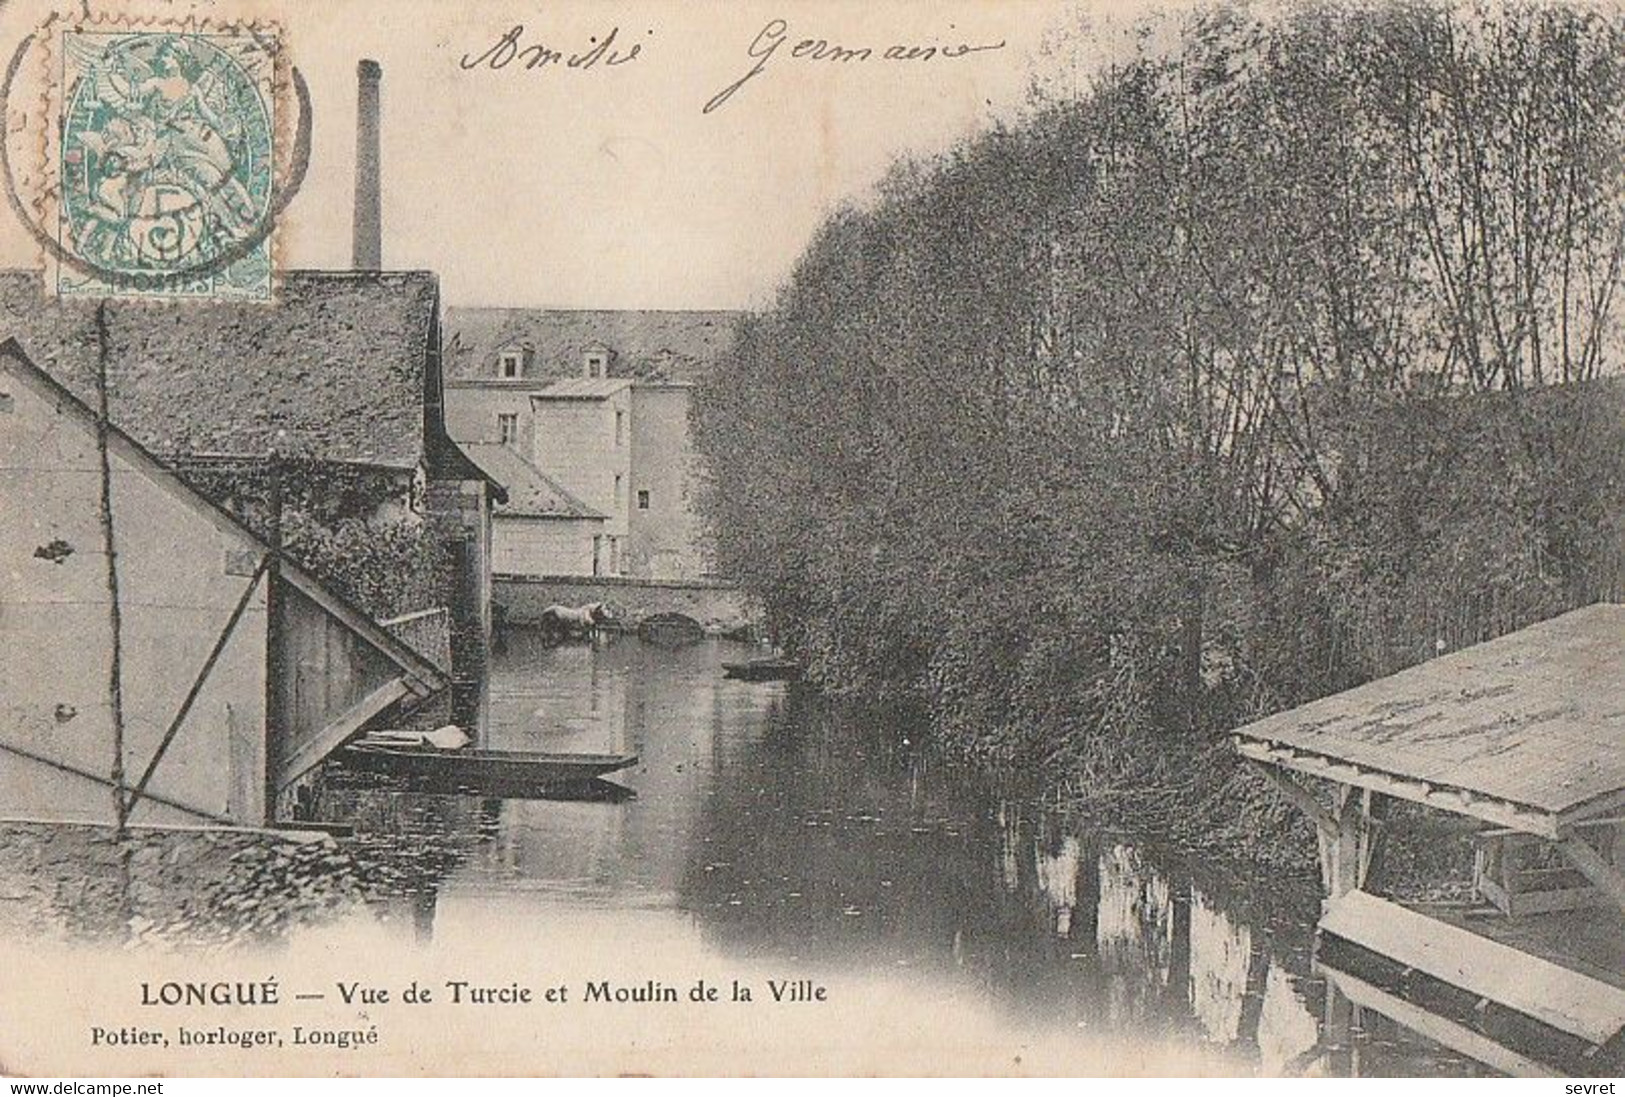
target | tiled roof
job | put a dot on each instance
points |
(531, 493)
(336, 369)
(582, 388)
(648, 344)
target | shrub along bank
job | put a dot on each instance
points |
(1272, 362)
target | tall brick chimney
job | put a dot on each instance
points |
(368, 247)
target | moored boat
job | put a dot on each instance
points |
(764, 669)
(485, 768)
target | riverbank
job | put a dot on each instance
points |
(1203, 802)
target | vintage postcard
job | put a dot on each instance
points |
(815, 537)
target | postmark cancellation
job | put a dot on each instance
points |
(160, 170)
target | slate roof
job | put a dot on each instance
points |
(643, 343)
(340, 364)
(531, 492)
(1535, 718)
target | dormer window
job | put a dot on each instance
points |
(597, 363)
(511, 364)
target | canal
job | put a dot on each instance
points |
(763, 836)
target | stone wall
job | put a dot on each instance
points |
(180, 886)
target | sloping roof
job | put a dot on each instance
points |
(673, 345)
(582, 388)
(531, 492)
(1527, 730)
(421, 676)
(335, 369)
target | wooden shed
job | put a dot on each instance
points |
(1525, 736)
(237, 672)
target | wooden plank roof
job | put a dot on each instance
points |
(1526, 731)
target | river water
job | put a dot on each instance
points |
(759, 832)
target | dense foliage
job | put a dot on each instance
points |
(1272, 362)
(354, 527)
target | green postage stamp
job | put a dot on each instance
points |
(166, 164)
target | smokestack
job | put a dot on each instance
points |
(368, 247)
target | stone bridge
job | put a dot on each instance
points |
(718, 607)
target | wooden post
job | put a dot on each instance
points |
(1326, 825)
(115, 671)
(1348, 845)
(1374, 833)
(1337, 1031)
(277, 664)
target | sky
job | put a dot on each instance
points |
(611, 187)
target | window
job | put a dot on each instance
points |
(620, 492)
(643, 500)
(620, 426)
(597, 363)
(510, 363)
(508, 427)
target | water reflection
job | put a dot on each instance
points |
(767, 829)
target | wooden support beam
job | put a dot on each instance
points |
(1300, 797)
(1345, 837)
(1374, 808)
(1324, 822)
(1490, 809)
(331, 737)
(107, 782)
(198, 683)
(1337, 1030)
(1583, 856)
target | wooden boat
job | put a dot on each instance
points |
(767, 668)
(485, 768)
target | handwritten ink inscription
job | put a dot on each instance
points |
(774, 36)
(512, 50)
